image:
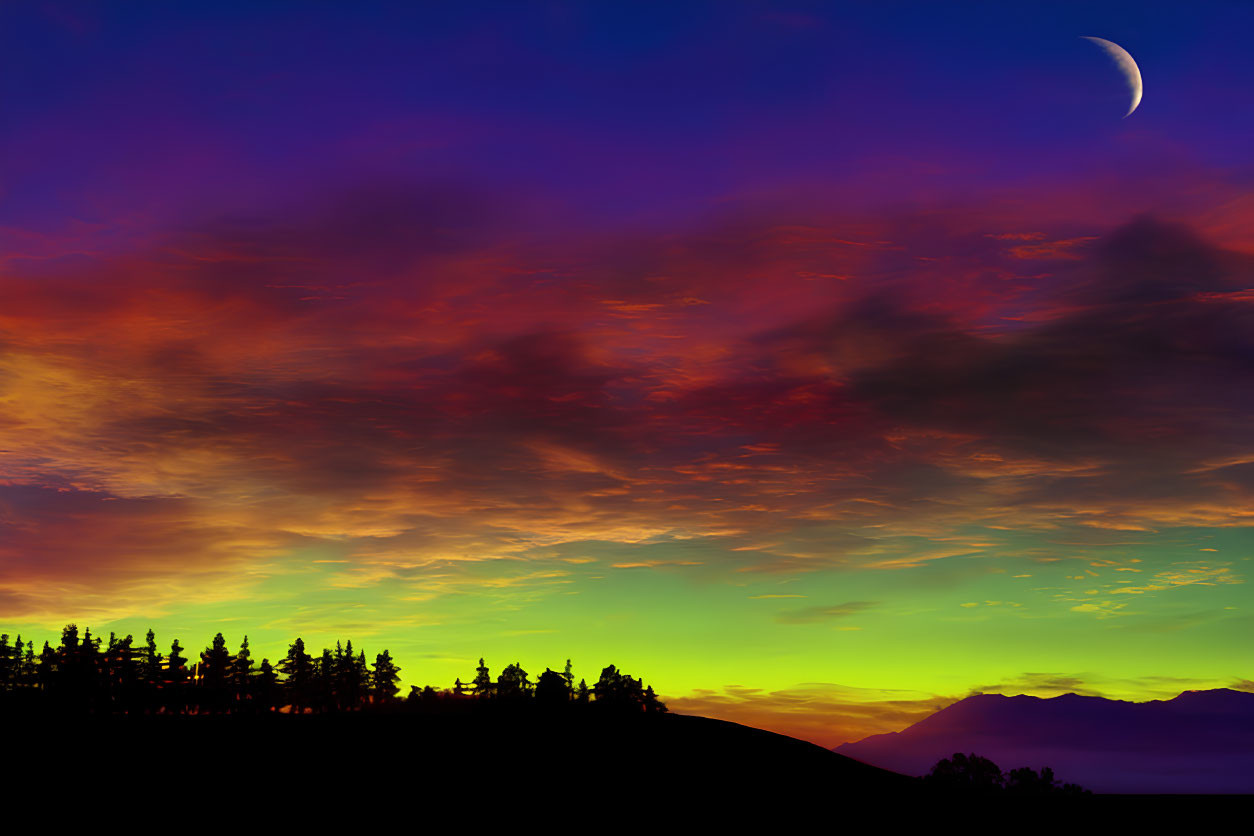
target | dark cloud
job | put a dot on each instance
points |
(1142, 353)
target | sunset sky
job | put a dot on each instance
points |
(821, 363)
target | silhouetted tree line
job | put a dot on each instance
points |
(85, 674)
(974, 774)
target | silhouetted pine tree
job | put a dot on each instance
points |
(384, 677)
(351, 676)
(10, 661)
(176, 666)
(298, 667)
(90, 669)
(123, 672)
(241, 672)
(45, 674)
(362, 675)
(112, 665)
(326, 680)
(151, 664)
(22, 665)
(608, 688)
(66, 676)
(215, 663)
(150, 673)
(69, 639)
(482, 683)
(28, 665)
(215, 671)
(175, 685)
(265, 690)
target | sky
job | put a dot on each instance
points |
(820, 363)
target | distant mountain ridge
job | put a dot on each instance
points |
(1197, 742)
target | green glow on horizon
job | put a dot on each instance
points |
(684, 628)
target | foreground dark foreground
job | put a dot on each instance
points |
(592, 752)
(97, 735)
(339, 771)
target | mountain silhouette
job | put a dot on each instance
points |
(1197, 742)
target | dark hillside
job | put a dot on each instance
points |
(574, 761)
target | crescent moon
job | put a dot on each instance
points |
(1127, 66)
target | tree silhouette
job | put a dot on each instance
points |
(353, 676)
(122, 670)
(326, 679)
(28, 662)
(551, 688)
(175, 699)
(384, 677)
(215, 670)
(241, 672)
(176, 667)
(152, 659)
(966, 773)
(265, 689)
(79, 676)
(482, 683)
(69, 639)
(513, 683)
(974, 774)
(1026, 781)
(618, 690)
(46, 672)
(10, 660)
(298, 667)
(89, 670)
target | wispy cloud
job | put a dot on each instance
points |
(811, 615)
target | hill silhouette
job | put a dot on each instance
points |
(581, 762)
(1198, 742)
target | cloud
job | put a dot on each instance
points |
(811, 615)
(143, 556)
(382, 373)
(1193, 576)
